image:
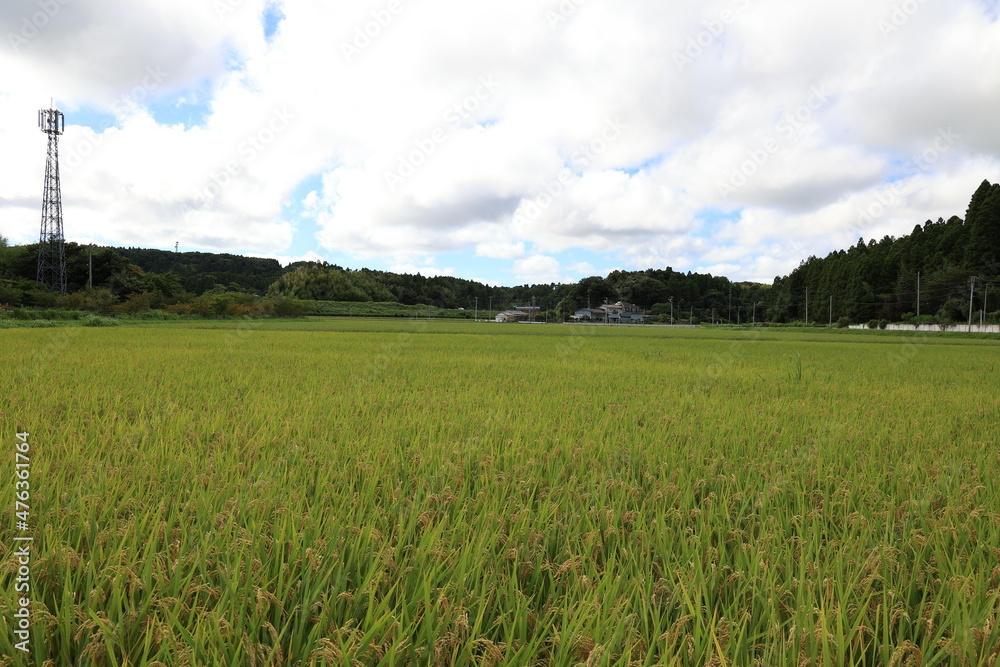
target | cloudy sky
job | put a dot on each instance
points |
(508, 141)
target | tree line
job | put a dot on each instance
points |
(653, 289)
(927, 273)
(130, 281)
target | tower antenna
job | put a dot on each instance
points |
(51, 244)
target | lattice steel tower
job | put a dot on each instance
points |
(51, 244)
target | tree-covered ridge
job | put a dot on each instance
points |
(101, 279)
(329, 282)
(18, 268)
(651, 289)
(879, 279)
(199, 272)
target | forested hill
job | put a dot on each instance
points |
(653, 289)
(879, 279)
(169, 278)
(199, 272)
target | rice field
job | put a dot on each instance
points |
(426, 493)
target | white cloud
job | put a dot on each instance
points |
(425, 271)
(495, 124)
(500, 250)
(582, 269)
(538, 269)
(98, 53)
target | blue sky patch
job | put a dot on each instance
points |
(273, 15)
(645, 166)
(188, 115)
(90, 117)
(713, 218)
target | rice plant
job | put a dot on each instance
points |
(409, 493)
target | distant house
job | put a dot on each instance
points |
(513, 316)
(589, 314)
(519, 314)
(617, 313)
(625, 313)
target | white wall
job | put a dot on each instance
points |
(986, 328)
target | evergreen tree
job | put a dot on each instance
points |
(983, 223)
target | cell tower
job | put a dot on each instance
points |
(51, 244)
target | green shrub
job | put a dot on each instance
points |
(99, 321)
(100, 300)
(27, 324)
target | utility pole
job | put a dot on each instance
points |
(476, 317)
(986, 297)
(691, 317)
(918, 294)
(90, 266)
(831, 311)
(972, 292)
(807, 306)
(730, 317)
(713, 316)
(671, 310)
